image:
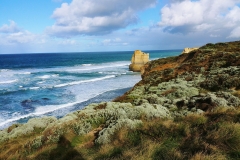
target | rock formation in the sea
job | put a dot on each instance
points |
(138, 60)
(185, 107)
(187, 50)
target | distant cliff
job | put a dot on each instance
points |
(138, 60)
(187, 50)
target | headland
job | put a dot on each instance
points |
(185, 107)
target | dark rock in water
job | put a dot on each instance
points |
(46, 99)
(28, 103)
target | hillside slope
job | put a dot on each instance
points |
(185, 107)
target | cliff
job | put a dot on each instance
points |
(187, 50)
(138, 60)
(185, 107)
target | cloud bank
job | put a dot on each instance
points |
(12, 34)
(11, 28)
(95, 17)
(214, 17)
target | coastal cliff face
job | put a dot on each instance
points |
(138, 60)
(185, 107)
(211, 72)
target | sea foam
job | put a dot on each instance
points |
(8, 82)
(83, 81)
(97, 66)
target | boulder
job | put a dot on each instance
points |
(187, 50)
(139, 58)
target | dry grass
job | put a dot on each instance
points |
(101, 106)
(168, 92)
(237, 93)
(202, 156)
(215, 135)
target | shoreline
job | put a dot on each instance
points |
(107, 96)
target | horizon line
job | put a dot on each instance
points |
(89, 51)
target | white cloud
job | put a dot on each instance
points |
(11, 34)
(235, 33)
(178, 14)
(20, 37)
(92, 17)
(214, 35)
(189, 16)
(11, 28)
(114, 42)
(67, 42)
(203, 26)
(233, 17)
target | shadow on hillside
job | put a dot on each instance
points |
(64, 151)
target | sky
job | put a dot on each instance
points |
(44, 26)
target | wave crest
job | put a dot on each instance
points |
(83, 81)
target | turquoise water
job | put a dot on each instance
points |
(58, 83)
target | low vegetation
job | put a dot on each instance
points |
(212, 135)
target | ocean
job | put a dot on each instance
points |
(54, 84)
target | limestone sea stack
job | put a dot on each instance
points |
(187, 50)
(139, 58)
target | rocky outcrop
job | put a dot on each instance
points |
(200, 81)
(139, 58)
(187, 50)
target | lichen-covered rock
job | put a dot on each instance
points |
(26, 128)
(105, 135)
(222, 79)
(197, 82)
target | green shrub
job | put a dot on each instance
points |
(134, 138)
(196, 120)
(34, 144)
(167, 151)
(82, 128)
(115, 153)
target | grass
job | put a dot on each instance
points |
(213, 135)
(114, 153)
(237, 93)
(167, 151)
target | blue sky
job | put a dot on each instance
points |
(29, 26)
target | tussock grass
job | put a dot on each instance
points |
(213, 135)
(237, 93)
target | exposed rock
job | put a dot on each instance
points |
(139, 58)
(187, 50)
(201, 81)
